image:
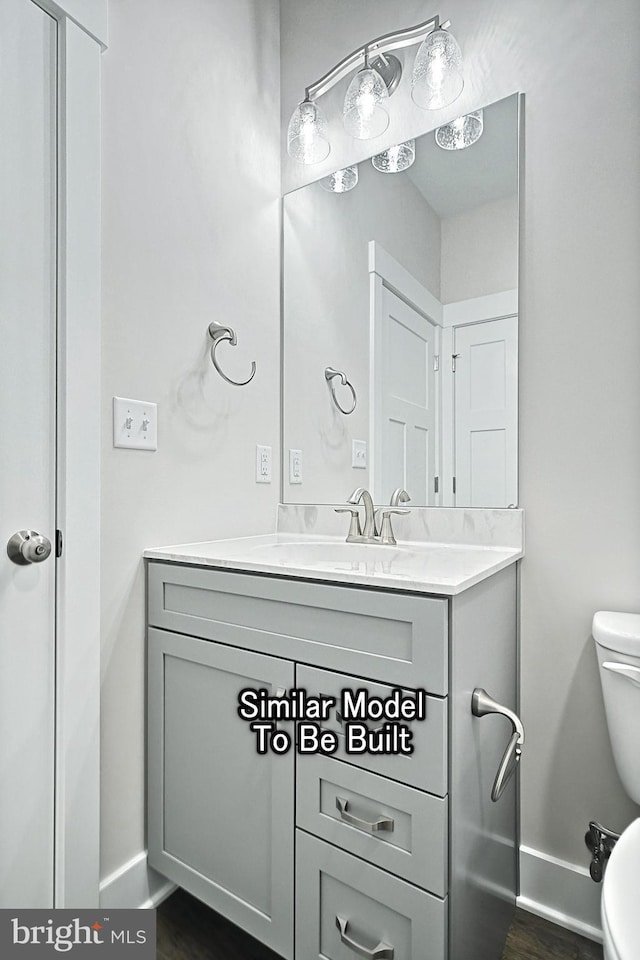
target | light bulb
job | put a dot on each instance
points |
(396, 159)
(307, 140)
(365, 105)
(341, 181)
(437, 72)
(460, 133)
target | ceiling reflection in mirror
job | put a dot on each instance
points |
(401, 328)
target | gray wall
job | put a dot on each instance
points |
(480, 251)
(190, 235)
(580, 343)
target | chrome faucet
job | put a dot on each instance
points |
(399, 495)
(370, 532)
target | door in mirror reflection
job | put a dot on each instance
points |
(408, 284)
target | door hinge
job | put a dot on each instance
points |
(436, 362)
(436, 484)
(58, 543)
(454, 484)
(454, 357)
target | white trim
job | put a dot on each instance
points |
(386, 271)
(90, 15)
(493, 306)
(403, 283)
(77, 787)
(561, 892)
(135, 885)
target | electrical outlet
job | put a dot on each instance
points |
(295, 466)
(135, 424)
(359, 454)
(263, 464)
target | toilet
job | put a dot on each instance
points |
(617, 637)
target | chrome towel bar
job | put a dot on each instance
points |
(329, 374)
(218, 332)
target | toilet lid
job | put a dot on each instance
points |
(617, 631)
(620, 894)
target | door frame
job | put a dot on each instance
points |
(386, 271)
(82, 36)
(462, 313)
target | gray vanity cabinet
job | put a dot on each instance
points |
(437, 881)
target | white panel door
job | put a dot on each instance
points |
(407, 401)
(27, 436)
(486, 413)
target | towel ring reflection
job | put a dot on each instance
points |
(329, 374)
(218, 332)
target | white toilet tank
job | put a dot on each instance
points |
(617, 637)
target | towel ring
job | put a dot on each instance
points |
(329, 374)
(218, 332)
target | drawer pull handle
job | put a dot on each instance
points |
(340, 719)
(375, 826)
(383, 951)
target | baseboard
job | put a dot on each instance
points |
(561, 892)
(135, 884)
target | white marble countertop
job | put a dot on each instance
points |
(419, 566)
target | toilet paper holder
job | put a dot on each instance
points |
(481, 705)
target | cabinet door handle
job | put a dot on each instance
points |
(481, 705)
(371, 826)
(384, 951)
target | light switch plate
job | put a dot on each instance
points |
(295, 466)
(263, 464)
(359, 454)
(135, 424)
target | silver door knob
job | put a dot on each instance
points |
(27, 546)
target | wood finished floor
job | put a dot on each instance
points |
(187, 930)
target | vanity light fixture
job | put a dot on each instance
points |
(396, 159)
(460, 133)
(365, 113)
(307, 139)
(341, 181)
(436, 82)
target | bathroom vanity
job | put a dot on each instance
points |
(337, 856)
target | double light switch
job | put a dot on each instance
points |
(135, 424)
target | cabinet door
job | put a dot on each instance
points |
(220, 814)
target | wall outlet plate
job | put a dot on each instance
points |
(295, 466)
(135, 424)
(359, 454)
(263, 464)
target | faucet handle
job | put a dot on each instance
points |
(399, 495)
(386, 530)
(354, 527)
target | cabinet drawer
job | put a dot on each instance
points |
(372, 907)
(384, 635)
(426, 768)
(340, 803)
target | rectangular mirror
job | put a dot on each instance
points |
(400, 331)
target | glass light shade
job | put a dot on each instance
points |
(341, 181)
(396, 159)
(437, 72)
(307, 138)
(365, 105)
(460, 133)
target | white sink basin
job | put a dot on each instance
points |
(334, 554)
